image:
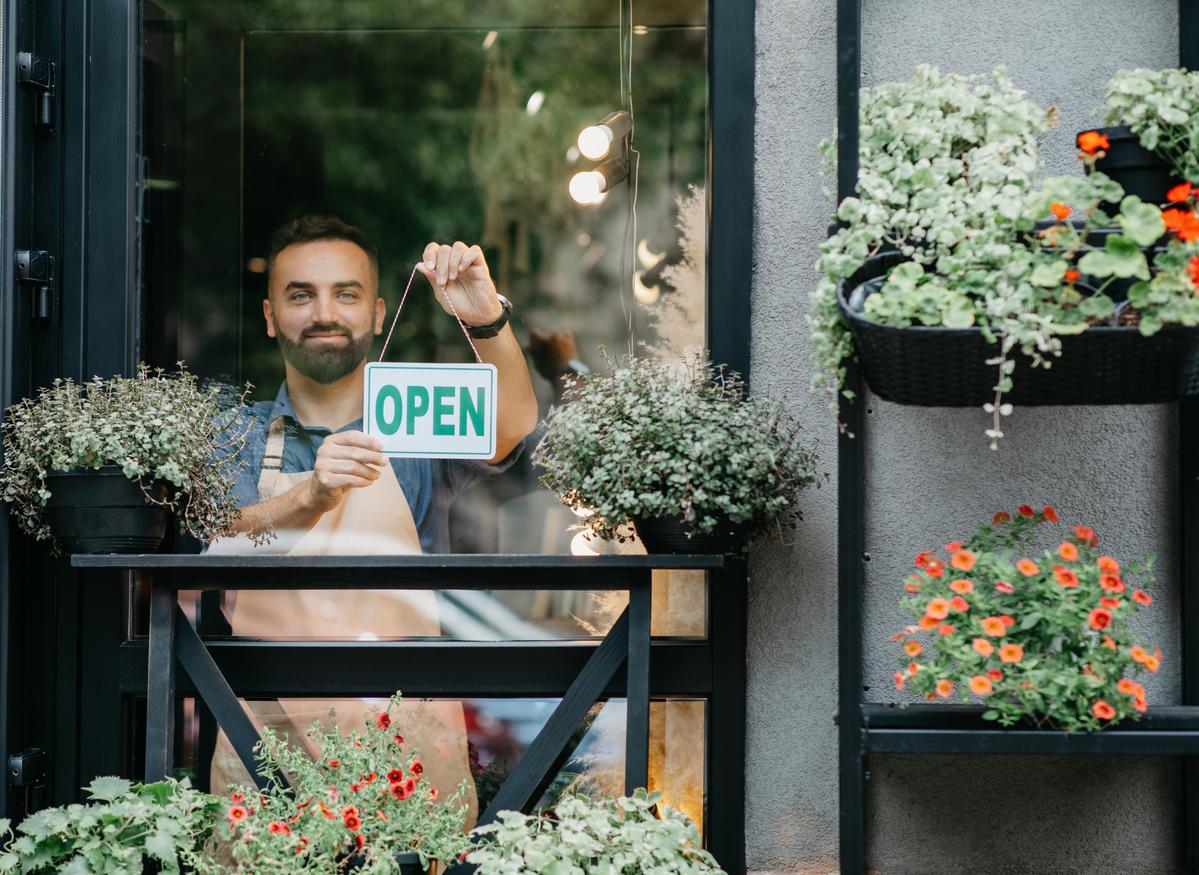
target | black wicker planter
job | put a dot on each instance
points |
(102, 511)
(946, 367)
(669, 535)
(1138, 170)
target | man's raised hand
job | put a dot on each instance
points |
(461, 282)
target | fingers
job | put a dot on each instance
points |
(354, 438)
(442, 263)
(348, 469)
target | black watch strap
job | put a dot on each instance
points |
(491, 329)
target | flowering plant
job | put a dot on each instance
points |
(1044, 638)
(364, 799)
(1162, 109)
(156, 427)
(632, 834)
(948, 179)
(659, 439)
(122, 827)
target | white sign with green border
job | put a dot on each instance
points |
(431, 411)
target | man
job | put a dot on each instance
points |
(323, 486)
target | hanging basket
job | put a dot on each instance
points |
(946, 367)
(1138, 170)
(669, 535)
(103, 511)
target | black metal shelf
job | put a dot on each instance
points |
(877, 728)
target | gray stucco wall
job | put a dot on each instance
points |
(931, 477)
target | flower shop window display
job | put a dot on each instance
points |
(361, 805)
(1037, 636)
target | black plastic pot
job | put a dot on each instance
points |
(408, 861)
(103, 511)
(1138, 170)
(669, 535)
(946, 367)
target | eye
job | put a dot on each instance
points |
(347, 295)
(301, 297)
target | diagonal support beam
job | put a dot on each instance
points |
(219, 697)
(532, 774)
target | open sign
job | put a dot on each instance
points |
(431, 411)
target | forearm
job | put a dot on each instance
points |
(516, 412)
(291, 510)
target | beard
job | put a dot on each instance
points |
(323, 362)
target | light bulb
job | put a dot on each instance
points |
(594, 141)
(587, 187)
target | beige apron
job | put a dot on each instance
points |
(371, 520)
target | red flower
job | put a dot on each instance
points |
(1007, 619)
(1110, 603)
(1092, 141)
(946, 629)
(959, 604)
(237, 813)
(416, 768)
(1060, 211)
(410, 785)
(432, 792)
(1100, 618)
(398, 739)
(350, 811)
(359, 842)
(1084, 534)
(353, 824)
(1072, 276)
(953, 546)
(1193, 271)
(237, 796)
(1065, 577)
(333, 764)
(279, 828)
(1001, 517)
(1180, 193)
(1141, 597)
(1103, 710)
(383, 720)
(1026, 510)
(1004, 587)
(1050, 514)
(400, 789)
(1111, 583)
(995, 675)
(1184, 223)
(898, 686)
(394, 775)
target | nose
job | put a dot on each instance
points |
(325, 313)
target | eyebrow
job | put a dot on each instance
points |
(298, 285)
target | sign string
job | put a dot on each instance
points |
(448, 300)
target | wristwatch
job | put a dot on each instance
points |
(491, 329)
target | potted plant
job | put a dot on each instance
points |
(1044, 637)
(364, 804)
(679, 450)
(957, 280)
(632, 834)
(1153, 144)
(97, 467)
(123, 828)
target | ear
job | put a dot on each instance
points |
(380, 313)
(268, 313)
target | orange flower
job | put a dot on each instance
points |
(1026, 510)
(912, 669)
(994, 626)
(1140, 704)
(1092, 141)
(1084, 534)
(1109, 642)
(1141, 597)
(912, 586)
(1068, 551)
(1072, 275)
(278, 827)
(1184, 223)
(959, 604)
(1103, 710)
(983, 647)
(1129, 687)
(1011, 653)
(1001, 517)
(953, 546)
(1049, 513)
(1060, 210)
(938, 609)
(1110, 603)
(899, 680)
(963, 560)
(1100, 618)
(1152, 663)
(1193, 271)
(1180, 193)
(927, 622)
(962, 587)
(913, 648)
(946, 630)
(925, 557)
(1065, 577)
(935, 569)
(1108, 565)
(1007, 619)
(944, 688)
(980, 685)
(1111, 583)
(237, 813)
(1138, 654)
(1027, 567)
(1004, 587)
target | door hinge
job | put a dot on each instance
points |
(39, 75)
(35, 270)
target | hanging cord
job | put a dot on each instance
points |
(453, 310)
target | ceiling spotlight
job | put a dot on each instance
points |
(589, 187)
(596, 140)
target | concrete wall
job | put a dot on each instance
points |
(931, 477)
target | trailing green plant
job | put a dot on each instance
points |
(1044, 636)
(654, 439)
(365, 796)
(1162, 108)
(122, 828)
(157, 427)
(630, 835)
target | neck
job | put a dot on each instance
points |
(326, 405)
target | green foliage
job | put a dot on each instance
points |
(655, 439)
(634, 835)
(1040, 637)
(156, 427)
(365, 795)
(122, 828)
(1162, 108)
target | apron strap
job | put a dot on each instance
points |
(272, 457)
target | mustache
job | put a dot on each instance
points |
(332, 328)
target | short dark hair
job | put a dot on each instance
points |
(310, 229)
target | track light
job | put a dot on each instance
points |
(589, 187)
(595, 141)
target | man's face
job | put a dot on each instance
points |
(323, 307)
